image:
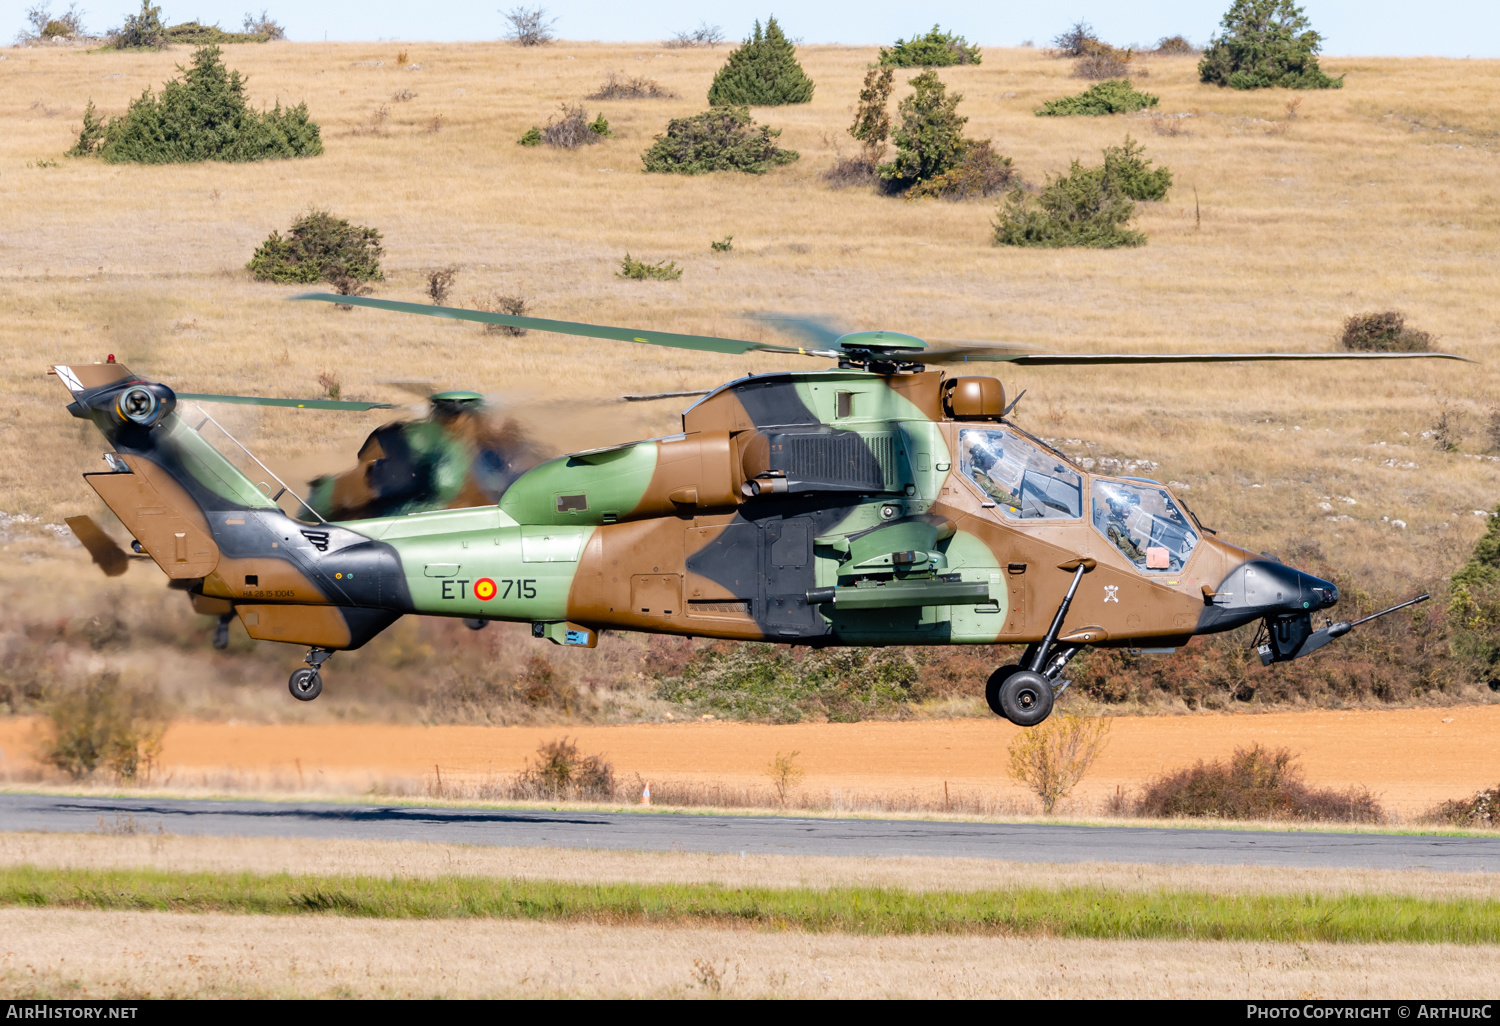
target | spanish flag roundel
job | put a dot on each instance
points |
(484, 589)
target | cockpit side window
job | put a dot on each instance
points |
(1144, 523)
(1025, 482)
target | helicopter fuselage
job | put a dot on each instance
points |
(841, 507)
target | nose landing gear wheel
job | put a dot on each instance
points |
(305, 684)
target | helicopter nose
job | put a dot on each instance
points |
(1276, 586)
(1259, 588)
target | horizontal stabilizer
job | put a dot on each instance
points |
(102, 549)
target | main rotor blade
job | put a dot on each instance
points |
(816, 330)
(651, 396)
(702, 343)
(307, 404)
(1084, 359)
(424, 389)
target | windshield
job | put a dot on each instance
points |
(1024, 481)
(1144, 523)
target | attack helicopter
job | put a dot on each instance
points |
(875, 502)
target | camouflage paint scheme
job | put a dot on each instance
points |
(819, 508)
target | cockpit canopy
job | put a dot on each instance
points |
(1143, 522)
(1024, 481)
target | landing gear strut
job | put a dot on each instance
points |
(306, 683)
(221, 632)
(1024, 692)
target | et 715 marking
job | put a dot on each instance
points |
(485, 588)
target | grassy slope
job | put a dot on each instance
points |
(1069, 912)
(1380, 194)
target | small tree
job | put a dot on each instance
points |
(529, 26)
(439, 282)
(1075, 41)
(872, 122)
(1127, 170)
(785, 775)
(930, 140)
(44, 25)
(761, 72)
(263, 25)
(936, 49)
(1052, 758)
(143, 31)
(720, 139)
(205, 116)
(320, 247)
(1265, 43)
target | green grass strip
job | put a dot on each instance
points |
(1069, 912)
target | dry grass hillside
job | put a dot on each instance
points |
(1380, 195)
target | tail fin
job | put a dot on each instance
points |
(208, 526)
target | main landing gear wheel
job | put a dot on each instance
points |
(305, 684)
(992, 687)
(1025, 698)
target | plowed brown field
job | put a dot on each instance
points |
(1411, 758)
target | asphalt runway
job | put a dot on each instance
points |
(762, 835)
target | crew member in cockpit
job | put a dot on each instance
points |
(1122, 508)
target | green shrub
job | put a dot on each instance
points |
(1384, 332)
(102, 724)
(770, 682)
(719, 139)
(1176, 46)
(319, 247)
(143, 31)
(761, 72)
(724, 245)
(1089, 206)
(1265, 43)
(190, 33)
(1253, 784)
(936, 49)
(930, 139)
(980, 171)
(203, 117)
(532, 137)
(1114, 96)
(561, 771)
(1134, 176)
(639, 270)
(1077, 209)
